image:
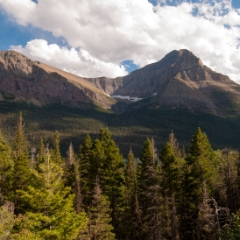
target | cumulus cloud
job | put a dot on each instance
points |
(77, 62)
(113, 31)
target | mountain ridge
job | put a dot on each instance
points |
(179, 80)
(22, 79)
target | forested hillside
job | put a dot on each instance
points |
(95, 193)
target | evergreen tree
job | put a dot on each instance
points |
(111, 176)
(72, 177)
(7, 220)
(41, 154)
(198, 169)
(174, 144)
(99, 215)
(6, 170)
(51, 214)
(132, 213)
(22, 173)
(153, 226)
(55, 151)
(171, 182)
(230, 163)
(20, 145)
(87, 169)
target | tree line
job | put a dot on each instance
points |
(96, 194)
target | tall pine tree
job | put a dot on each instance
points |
(6, 170)
(100, 226)
(51, 214)
(198, 169)
(22, 173)
(132, 214)
(72, 177)
(171, 182)
(112, 176)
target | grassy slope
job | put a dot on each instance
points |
(129, 129)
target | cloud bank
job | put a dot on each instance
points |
(103, 34)
(77, 62)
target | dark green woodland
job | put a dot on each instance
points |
(94, 192)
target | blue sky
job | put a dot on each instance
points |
(115, 37)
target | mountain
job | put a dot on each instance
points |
(178, 93)
(22, 79)
(181, 80)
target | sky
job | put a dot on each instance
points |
(94, 38)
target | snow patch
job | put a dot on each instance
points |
(133, 99)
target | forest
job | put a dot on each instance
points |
(95, 193)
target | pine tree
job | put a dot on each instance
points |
(50, 206)
(72, 177)
(171, 182)
(132, 213)
(174, 144)
(7, 220)
(55, 151)
(230, 177)
(111, 176)
(6, 170)
(99, 216)
(199, 168)
(87, 169)
(41, 153)
(22, 173)
(151, 202)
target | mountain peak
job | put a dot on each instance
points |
(184, 59)
(181, 80)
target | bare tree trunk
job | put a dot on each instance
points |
(174, 219)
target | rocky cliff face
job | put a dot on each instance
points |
(22, 79)
(107, 85)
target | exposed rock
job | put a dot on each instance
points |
(22, 79)
(107, 85)
(181, 80)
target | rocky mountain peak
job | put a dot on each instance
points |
(16, 62)
(181, 80)
(188, 59)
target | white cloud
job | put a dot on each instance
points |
(113, 31)
(76, 62)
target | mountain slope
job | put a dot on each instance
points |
(181, 80)
(22, 79)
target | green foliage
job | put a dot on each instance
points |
(132, 214)
(55, 152)
(6, 169)
(72, 177)
(111, 175)
(7, 219)
(87, 169)
(22, 173)
(99, 215)
(171, 175)
(51, 213)
(198, 170)
(232, 232)
(149, 198)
